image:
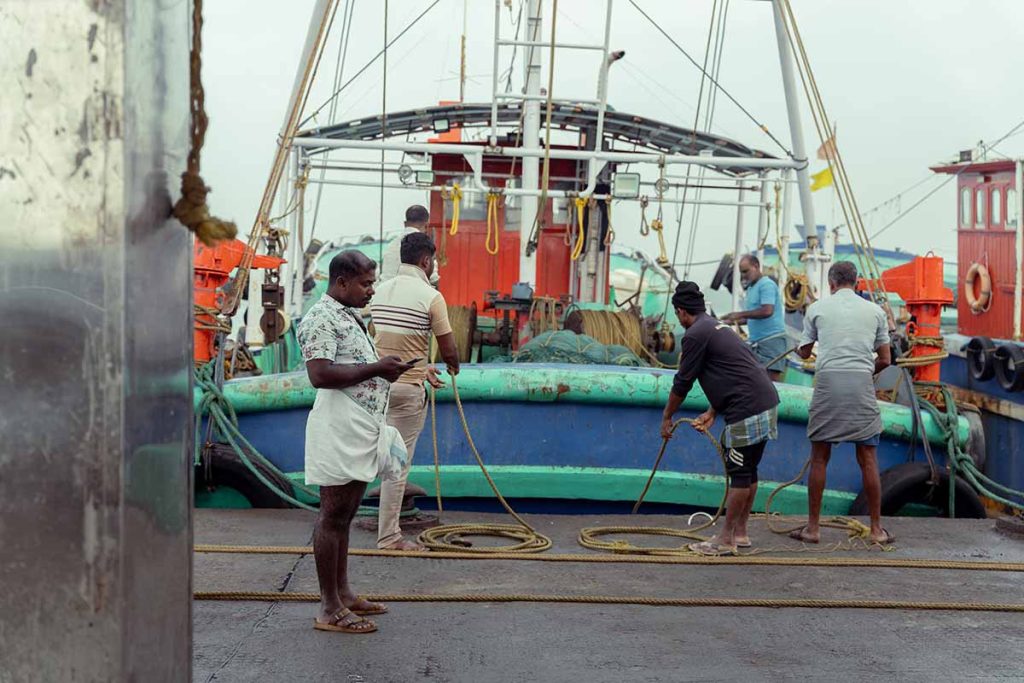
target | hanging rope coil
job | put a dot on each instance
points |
(492, 224)
(577, 249)
(191, 209)
(797, 292)
(645, 228)
(658, 227)
(456, 198)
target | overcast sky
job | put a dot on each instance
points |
(908, 82)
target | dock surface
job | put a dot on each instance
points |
(589, 643)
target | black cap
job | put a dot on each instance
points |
(688, 297)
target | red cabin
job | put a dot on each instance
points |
(988, 215)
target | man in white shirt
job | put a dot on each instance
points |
(852, 334)
(416, 219)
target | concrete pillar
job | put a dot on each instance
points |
(95, 354)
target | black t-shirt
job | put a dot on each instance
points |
(736, 384)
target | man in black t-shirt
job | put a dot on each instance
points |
(739, 389)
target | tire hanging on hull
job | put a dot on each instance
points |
(908, 483)
(222, 468)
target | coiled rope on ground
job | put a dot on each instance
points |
(589, 537)
(448, 537)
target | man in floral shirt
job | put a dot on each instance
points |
(343, 429)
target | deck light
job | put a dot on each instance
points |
(626, 185)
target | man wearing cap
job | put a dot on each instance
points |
(739, 389)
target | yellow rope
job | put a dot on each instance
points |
(908, 361)
(797, 291)
(588, 537)
(658, 227)
(525, 538)
(578, 248)
(688, 559)
(803, 603)
(492, 224)
(456, 207)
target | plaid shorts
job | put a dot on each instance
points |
(754, 429)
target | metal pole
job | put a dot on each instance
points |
(784, 225)
(793, 112)
(1019, 281)
(737, 254)
(494, 73)
(762, 219)
(462, 55)
(531, 141)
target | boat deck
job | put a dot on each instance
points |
(482, 642)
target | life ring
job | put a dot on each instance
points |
(907, 483)
(979, 303)
(1009, 366)
(979, 358)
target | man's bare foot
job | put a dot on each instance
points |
(364, 607)
(804, 535)
(404, 545)
(883, 537)
(742, 541)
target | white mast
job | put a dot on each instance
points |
(531, 140)
(814, 274)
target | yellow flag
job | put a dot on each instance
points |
(821, 179)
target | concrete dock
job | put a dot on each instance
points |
(484, 642)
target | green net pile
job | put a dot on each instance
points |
(565, 346)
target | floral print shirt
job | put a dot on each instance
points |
(334, 331)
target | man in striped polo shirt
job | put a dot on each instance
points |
(406, 311)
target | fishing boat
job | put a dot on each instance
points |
(525, 228)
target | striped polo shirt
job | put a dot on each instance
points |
(406, 310)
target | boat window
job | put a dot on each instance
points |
(997, 206)
(979, 208)
(474, 204)
(965, 207)
(1012, 209)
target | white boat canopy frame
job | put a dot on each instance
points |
(673, 143)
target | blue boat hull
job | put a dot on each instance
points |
(549, 433)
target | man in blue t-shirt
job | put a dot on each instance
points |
(766, 325)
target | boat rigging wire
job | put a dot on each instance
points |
(339, 70)
(369, 63)
(918, 203)
(732, 99)
(383, 134)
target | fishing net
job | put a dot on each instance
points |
(565, 346)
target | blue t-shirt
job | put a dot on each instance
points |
(765, 291)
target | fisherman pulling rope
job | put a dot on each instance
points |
(739, 389)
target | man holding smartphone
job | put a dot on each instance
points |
(406, 312)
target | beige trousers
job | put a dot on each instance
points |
(406, 413)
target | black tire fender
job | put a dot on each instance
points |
(1009, 367)
(723, 276)
(979, 358)
(908, 483)
(222, 467)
